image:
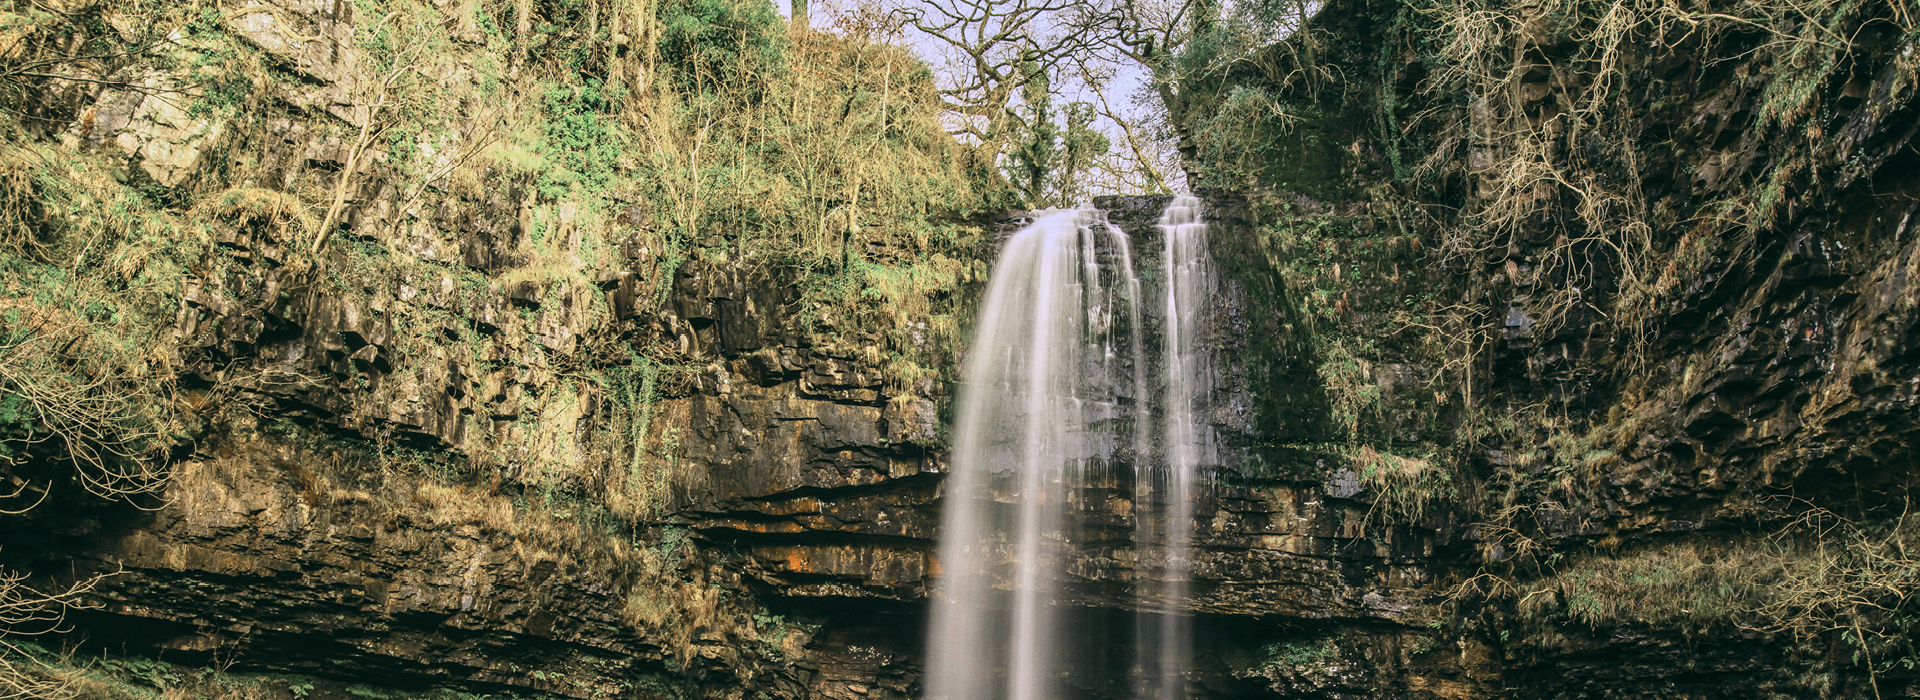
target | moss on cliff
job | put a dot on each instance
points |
(1628, 230)
(650, 138)
(460, 252)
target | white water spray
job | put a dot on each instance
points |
(1035, 422)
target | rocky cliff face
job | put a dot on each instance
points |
(506, 443)
(1637, 292)
(502, 428)
(288, 541)
(797, 511)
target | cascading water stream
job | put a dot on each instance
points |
(1187, 271)
(1035, 433)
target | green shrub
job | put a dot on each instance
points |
(581, 139)
(705, 41)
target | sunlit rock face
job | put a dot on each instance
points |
(797, 491)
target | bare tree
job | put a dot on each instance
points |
(1155, 34)
(1151, 33)
(88, 393)
(990, 52)
(372, 95)
(1142, 158)
(27, 612)
(993, 48)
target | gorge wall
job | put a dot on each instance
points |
(792, 556)
(1512, 401)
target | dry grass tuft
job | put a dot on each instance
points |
(280, 212)
(1691, 585)
(1528, 106)
(1404, 489)
(1822, 577)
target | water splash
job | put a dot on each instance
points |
(1058, 364)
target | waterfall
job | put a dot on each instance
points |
(1164, 629)
(1058, 369)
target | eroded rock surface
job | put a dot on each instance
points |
(423, 457)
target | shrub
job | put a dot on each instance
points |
(705, 41)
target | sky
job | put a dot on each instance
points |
(1127, 83)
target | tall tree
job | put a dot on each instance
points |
(991, 48)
